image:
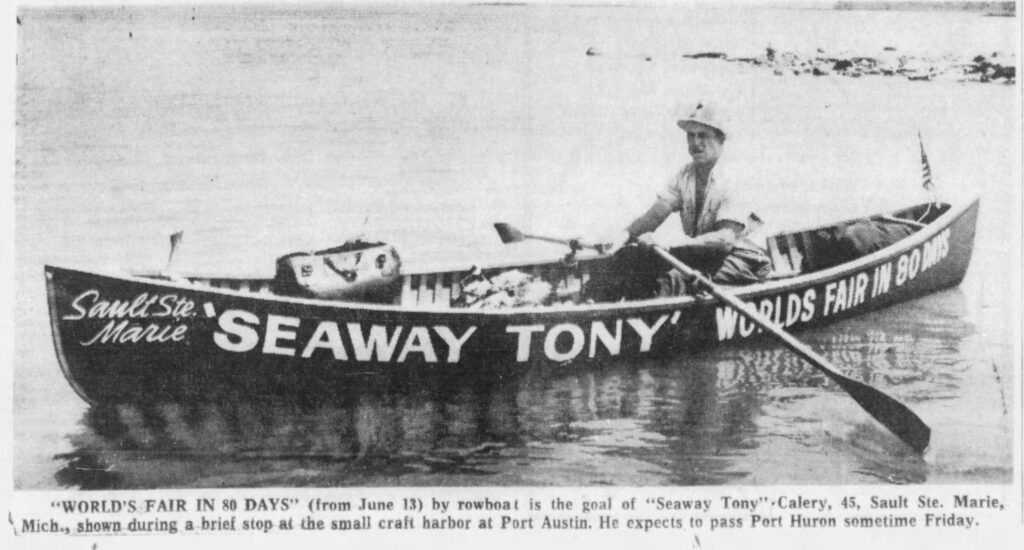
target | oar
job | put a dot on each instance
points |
(510, 234)
(892, 414)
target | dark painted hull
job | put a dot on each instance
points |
(125, 338)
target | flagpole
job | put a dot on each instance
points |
(926, 170)
(926, 178)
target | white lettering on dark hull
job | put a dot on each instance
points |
(837, 296)
(242, 331)
(146, 318)
(127, 332)
(91, 305)
(239, 332)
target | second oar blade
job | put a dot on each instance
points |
(509, 234)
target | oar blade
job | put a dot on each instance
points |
(509, 234)
(895, 416)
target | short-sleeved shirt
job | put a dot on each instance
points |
(721, 202)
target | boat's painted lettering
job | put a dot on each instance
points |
(837, 296)
(769, 306)
(783, 310)
(525, 333)
(242, 331)
(611, 342)
(746, 326)
(645, 331)
(91, 305)
(809, 296)
(326, 336)
(915, 262)
(236, 332)
(881, 280)
(577, 340)
(278, 329)
(726, 319)
(566, 341)
(127, 332)
(901, 270)
(418, 342)
(928, 255)
(921, 259)
(845, 293)
(454, 342)
(793, 308)
(378, 346)
(165, 313)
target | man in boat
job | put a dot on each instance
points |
(719, 228)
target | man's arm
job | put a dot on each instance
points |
(644, 224)
(650, 220)
(722, 239)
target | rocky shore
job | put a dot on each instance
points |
(994, 67)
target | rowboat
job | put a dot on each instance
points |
(147, 336)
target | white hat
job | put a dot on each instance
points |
(701, 114)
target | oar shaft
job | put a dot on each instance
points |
(579, 245)
(547, 239)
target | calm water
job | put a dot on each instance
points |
(261, 132)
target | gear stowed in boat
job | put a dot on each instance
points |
(357, 270)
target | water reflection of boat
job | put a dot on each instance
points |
(682, 421)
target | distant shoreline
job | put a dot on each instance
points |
(1002, 9)
(990, 67)
(997, 8)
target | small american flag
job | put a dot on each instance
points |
(926, 169)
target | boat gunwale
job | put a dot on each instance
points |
(674, 302)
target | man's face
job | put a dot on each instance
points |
(704, 145)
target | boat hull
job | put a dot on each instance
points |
(125, 338)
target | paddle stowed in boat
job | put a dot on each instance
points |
(892, 414)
